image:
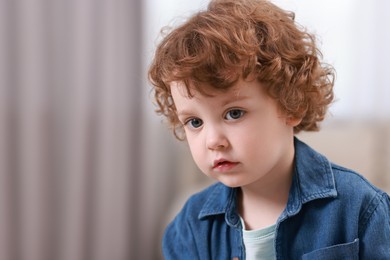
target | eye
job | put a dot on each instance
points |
(234, 114)
(194, 122)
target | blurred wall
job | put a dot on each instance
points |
(72, 179)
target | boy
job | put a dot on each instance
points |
(241, 78)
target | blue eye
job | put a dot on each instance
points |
(194, 123)
(234, 114)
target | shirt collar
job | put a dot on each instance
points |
(222, 200)
(313, 179)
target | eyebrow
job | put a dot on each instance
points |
(225, 102)
(234, 99)
(183, 113)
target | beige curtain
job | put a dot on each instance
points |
(73, 184)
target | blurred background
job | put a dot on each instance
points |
(89, 171)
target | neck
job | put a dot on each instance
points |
(262, 202)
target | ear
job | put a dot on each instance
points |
(292, 121)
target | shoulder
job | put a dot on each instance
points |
(350, 182)
(349, 190)
(355, 188)
(318, 174)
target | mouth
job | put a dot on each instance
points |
(223, 165)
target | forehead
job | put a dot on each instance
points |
(178, 88)
(251, 92)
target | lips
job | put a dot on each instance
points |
(223, 165)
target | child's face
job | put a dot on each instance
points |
(238, 137)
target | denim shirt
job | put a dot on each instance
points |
(331, 213)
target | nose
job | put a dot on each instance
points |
(216, 139)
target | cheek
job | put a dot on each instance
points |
(257, 139)
(196, 151)
(248, 134)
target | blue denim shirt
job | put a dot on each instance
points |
(331, 213)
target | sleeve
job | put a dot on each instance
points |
(375, 234)
(178, 240)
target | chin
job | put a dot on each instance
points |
(232, 183)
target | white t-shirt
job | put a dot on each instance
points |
(260, 243)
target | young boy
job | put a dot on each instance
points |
(241, 78)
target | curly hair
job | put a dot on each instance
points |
(242, 38)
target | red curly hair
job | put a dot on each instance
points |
(242, 38)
